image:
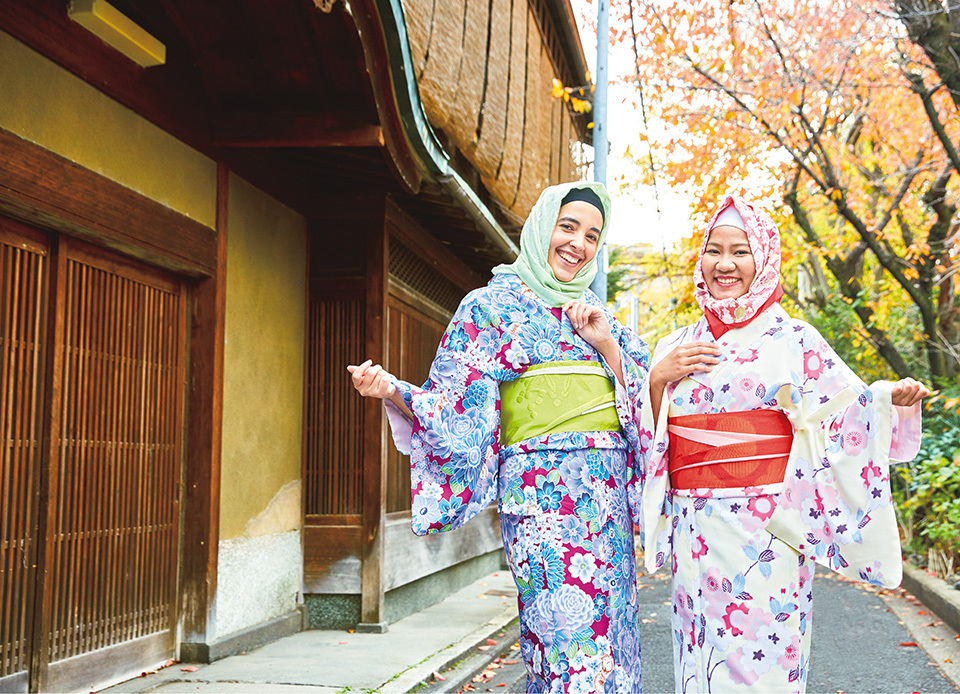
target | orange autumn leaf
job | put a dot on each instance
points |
(806, 99)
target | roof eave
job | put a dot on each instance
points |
(408, 136)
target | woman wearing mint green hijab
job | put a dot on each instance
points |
(530, 401)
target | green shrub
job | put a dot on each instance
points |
(927, 490)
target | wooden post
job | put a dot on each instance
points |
(374, 450)
(50, 470)
(201, 534)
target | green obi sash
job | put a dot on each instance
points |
(556, 397)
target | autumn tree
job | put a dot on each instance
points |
(828, 113)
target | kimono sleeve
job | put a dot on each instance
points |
(836, 506)
(656, 530)
(635, 359)
(453, 442)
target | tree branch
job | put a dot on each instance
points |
(926, 96)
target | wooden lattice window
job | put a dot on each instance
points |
(423, 279)
(333, 418)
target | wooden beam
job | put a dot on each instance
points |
(374, 495)
(201, 534)
(332, 129)
(44, 189)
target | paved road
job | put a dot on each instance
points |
(856, 644)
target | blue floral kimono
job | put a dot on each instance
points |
(565, 499)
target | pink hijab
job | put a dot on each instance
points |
(764, 237)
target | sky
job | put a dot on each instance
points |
(635, 216)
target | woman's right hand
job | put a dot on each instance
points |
(680, 363)
(371, 381)
(683, 361)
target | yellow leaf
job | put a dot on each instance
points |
(557, 88)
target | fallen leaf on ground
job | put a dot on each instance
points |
(342, 642)
(491, 642)
(947, 660)
(483, 648)
(909, 643)
(509, 662)
(502, 684)
(502, 633)
(190, 668)
(438, 676)
(936, 638)
(648, 621)
(921, 611)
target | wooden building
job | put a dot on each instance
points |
(200, 226)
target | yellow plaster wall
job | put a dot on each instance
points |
(263, 365)
(43, 103)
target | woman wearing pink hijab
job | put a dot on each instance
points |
(767, 456)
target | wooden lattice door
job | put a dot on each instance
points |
(23, 281)
(108, 526)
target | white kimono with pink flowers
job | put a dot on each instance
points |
(743, 558)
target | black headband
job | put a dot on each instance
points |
(584, 195)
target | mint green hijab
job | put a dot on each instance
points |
(531, 265)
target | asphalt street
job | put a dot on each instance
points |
(858, 643)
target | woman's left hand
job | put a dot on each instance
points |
(591, 324)
(907, 392)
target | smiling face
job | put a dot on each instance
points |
(728, 264)
(574, 241)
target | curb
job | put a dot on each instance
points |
(934, 593)
(421, 675)
(462, 668)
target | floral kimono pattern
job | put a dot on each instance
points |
(743, 558)
(564, 499)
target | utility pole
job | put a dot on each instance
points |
(600, 145)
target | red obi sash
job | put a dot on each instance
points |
(729, 449)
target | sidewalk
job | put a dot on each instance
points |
(431, 640)
(866, 640)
